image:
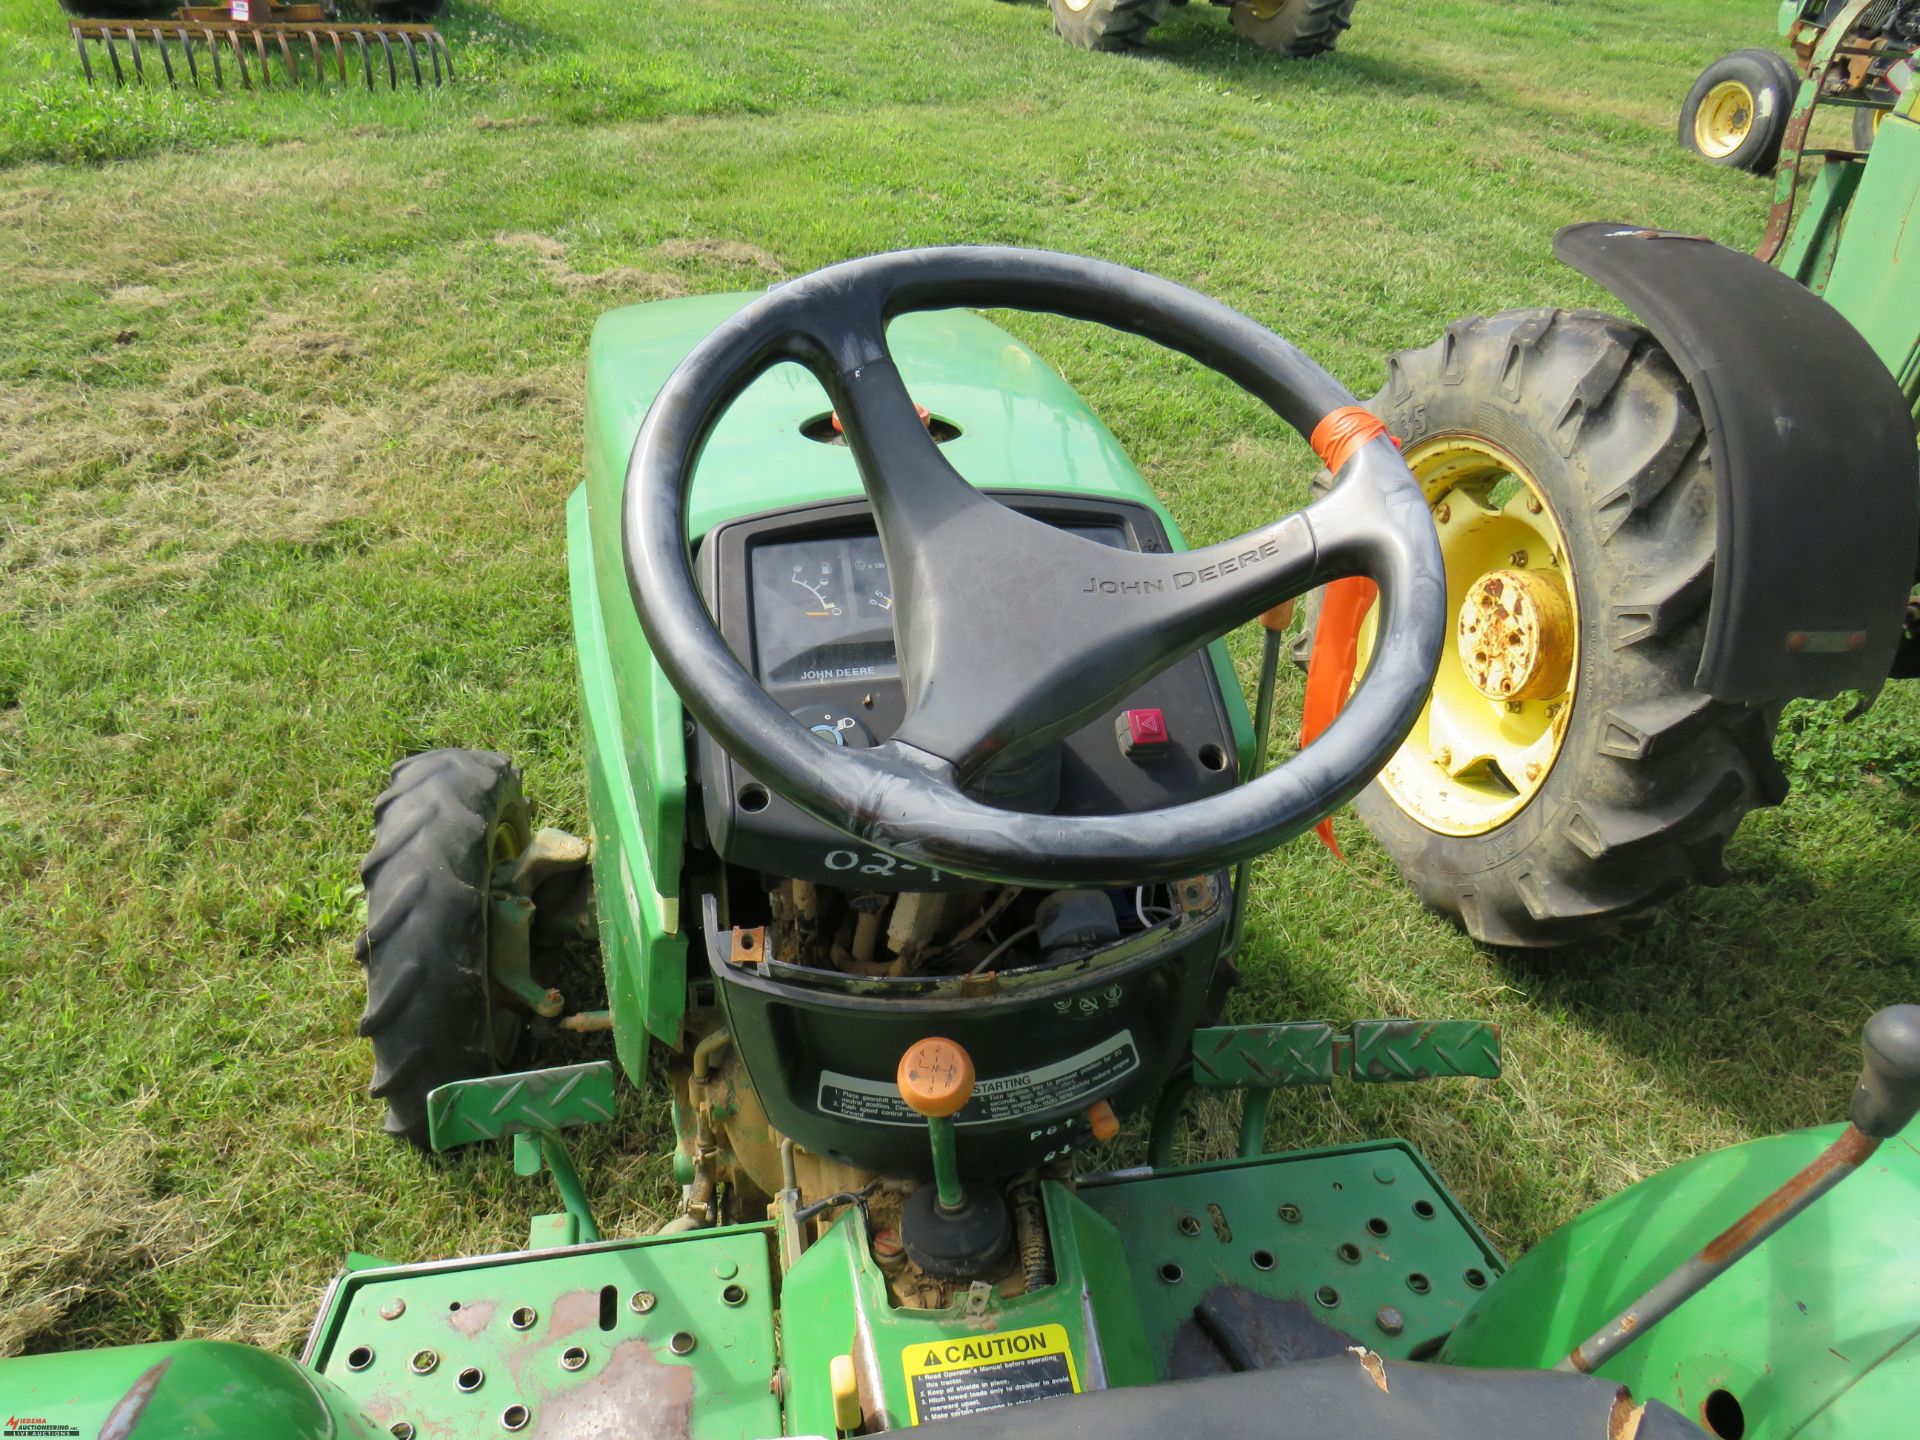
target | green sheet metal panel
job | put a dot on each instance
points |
(671, 1337)
(636, 798)
(1346, 1233)
(1788, 1332)
(1868, 281)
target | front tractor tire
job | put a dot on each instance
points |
(1564, 460)
(1109, 25)
(1298, 29)
(1736, 113)
(446, 821)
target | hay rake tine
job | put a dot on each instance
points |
(254, 48)
(80, 44)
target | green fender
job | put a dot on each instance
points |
(1812, 1335)
(208, 1389)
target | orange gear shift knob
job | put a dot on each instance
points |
(935, 1077)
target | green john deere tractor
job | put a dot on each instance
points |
(1298, 29)
(917, 802)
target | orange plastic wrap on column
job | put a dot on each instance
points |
(1343, 431)
(1343, 605)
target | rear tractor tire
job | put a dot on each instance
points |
(1736, 113)
(1109, 25)
(1565, 778)
(1298, 29)
(448, 818)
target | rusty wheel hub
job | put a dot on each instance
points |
(1515, 631)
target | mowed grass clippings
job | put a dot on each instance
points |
(291, 401)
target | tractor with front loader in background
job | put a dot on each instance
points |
(1653, 538)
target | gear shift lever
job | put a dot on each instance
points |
(1884, 1102)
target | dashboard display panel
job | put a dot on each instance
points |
(823, 607)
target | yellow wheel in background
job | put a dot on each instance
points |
(1737, 111)
(1724, 120)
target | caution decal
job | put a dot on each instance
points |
(966, 1374)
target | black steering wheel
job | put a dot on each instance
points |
(1012, 633)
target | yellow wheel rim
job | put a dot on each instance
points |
(1724, 120)
(1503, 697)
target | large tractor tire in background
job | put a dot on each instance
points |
(1566, 778)
(443, 825)
(1105, 24)
(1736, 113)
(1300, 29)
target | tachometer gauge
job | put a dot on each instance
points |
(872, 591)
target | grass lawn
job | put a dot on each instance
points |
(290, 403)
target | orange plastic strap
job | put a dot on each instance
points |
(1343, 605)
(1341, 432)
(1336, 647)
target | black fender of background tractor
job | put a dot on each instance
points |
(1815, 473)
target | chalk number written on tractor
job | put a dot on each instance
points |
(876, 862)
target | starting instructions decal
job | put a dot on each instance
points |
(965, 1375)
(1058, 1086)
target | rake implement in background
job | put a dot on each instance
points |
(304, 43)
